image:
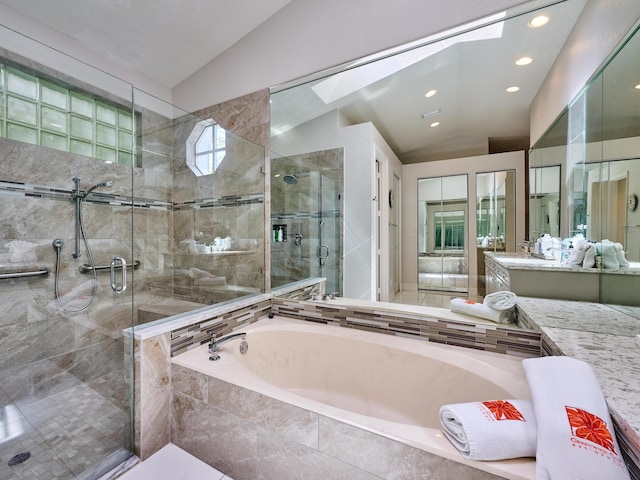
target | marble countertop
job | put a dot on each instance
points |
(602, 336)
(516, 261)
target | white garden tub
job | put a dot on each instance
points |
(386, 384)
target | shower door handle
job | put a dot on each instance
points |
(114, 286)
(322, 252)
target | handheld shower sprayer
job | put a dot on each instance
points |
(78, 196)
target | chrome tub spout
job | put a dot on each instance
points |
(216, 342)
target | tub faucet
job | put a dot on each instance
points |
(216, 342)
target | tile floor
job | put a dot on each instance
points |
(66, 434)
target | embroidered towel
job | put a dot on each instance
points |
(493, 430)
(575, 433)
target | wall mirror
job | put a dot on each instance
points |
(495, 210)
(443, 223)
(597, 143)
(544, 201)
(395, 102)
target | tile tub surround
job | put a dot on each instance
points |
(427, 323)
(312, 439)
(605, 338)
(152, 346)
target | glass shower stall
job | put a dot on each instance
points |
(105, 225)
(306, 218)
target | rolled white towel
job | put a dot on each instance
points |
(622, 260)
(575, 433)
(501, 300)
(480, 310)
(589, 256)
(493, 430)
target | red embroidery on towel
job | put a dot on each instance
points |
(504, 410)
(470, 302)
(590, 427)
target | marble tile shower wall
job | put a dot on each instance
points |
(44, 351)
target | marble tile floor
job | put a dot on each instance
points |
(66, 434)
(173, 463)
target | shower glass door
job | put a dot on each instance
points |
(306, 218)
(67, 149)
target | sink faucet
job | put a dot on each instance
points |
(216, 342)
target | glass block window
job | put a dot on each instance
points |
(206, 147)
(37, 111)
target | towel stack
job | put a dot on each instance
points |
(566, 425)
(496, 307)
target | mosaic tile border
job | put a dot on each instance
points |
(198, 333)
(51, 193)
(481, 337)
(305, 215)
(228, 201)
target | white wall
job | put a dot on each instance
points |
(109, 75)
(470, 166)
(307, 36)
(599, 30)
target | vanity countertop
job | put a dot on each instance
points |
(602, 336)
(513, 261)
(516, 261)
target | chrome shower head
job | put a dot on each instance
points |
(290, 179)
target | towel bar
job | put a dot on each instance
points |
(86, 268)
(44, 272)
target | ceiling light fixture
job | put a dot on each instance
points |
(524, 61)
(432, 113)
(513, 89)
(431, 93)
(637, 87)
(538, 21)
(434, 124)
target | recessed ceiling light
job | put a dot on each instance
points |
(538, 21)
(434, 124)
(431, 93)
(513, 89)
(524, 61)
(637, 87)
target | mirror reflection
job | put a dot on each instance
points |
(544, 201)
(442, 218)
(423, 113)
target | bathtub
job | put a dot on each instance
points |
(389, 385)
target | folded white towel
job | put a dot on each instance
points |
(589, 256)
(622, 260)
(608, 254)
(576, 257)
(494, 430)
(575, 433)
(501, 300)
(480, 310)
